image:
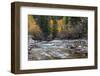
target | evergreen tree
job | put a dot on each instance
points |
(55, 31)
(45, 26)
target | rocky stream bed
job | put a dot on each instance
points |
(57, 49)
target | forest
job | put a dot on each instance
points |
(57, 27)
(57, 37)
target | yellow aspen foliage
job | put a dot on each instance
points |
(51, 23)
(60, 25)
(32, 25)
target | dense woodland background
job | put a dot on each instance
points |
(57, 27)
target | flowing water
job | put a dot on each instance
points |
(57, 49)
